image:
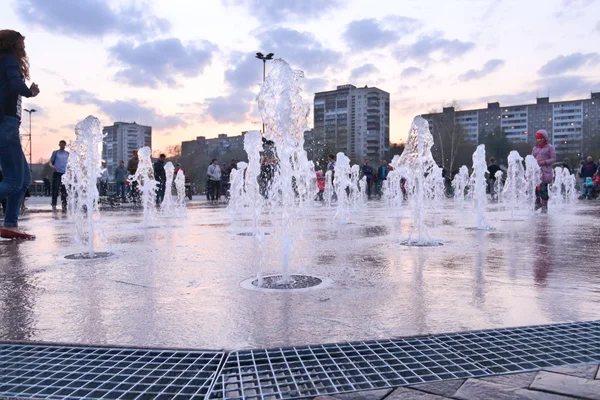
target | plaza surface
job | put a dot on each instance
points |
(176, 284)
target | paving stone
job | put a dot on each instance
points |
(522, 380)
(587, 371)
(404, 393)
(364, 395)
(567, 385)
(524, 394)
(476, 389)
(443, 388)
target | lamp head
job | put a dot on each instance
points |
(270, 56)
(259, 55)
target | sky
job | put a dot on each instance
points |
(187, 67)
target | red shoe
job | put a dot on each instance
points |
(15, 235)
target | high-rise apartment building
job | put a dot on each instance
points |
(121, 139)
(573, 126)
(353, 120)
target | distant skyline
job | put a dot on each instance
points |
(187, 68)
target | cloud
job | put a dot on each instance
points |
(364, 70)
(230, 109)
(160, 62)
(410, 72)
(598, 26)
(567, 85)
(39, 111)
(572, 9)
(366, 34)
(315, 85)
(426, 46)
(562, 64)
(488, 68)
(370, 34)
(125, 110)
(555, 87)
(54, 73)
(91, 18)
(247, 72)
(299, 48)
(277, 10)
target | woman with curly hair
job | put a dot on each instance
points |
(14, 69)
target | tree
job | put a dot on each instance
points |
(320, 151)
(46, 170)
(173, 153)
(450, 141)
(496, 143)
(395, 149)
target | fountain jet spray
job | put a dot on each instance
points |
(479, 186)
(533, 177)
(514, 187)
(418, 162)
(80, 180)
(285, 116)
(144, 176)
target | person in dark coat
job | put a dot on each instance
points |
(14, 70)
(160, 176)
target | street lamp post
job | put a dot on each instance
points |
(30, 136)
(264, 59)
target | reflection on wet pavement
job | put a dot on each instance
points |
(178, 284)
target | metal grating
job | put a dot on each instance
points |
(308, 371)
(57, 372)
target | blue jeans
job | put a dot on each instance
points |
(17, 176)
(121, 189)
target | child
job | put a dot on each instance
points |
(588, 188)
(320, 185)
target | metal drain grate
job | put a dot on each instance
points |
(57, 372)
(309, 371)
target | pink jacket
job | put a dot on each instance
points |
(548, 154)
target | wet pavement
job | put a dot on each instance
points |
(177, 283)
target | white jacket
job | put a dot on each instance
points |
(214, 172)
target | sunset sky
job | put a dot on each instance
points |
(187, 67)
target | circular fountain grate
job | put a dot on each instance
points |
(295, 282)
(412, 243)
(86, 256)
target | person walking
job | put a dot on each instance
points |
(14, 70)
(588, 170)
(492, 168)
(103, 180)
(545, 155)
(47, 191)
(367, 172)
(214, 176)
(132, 166)
(3, 201)
(121, 179)
(160, 176)
(382, 173)
(58, 162)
